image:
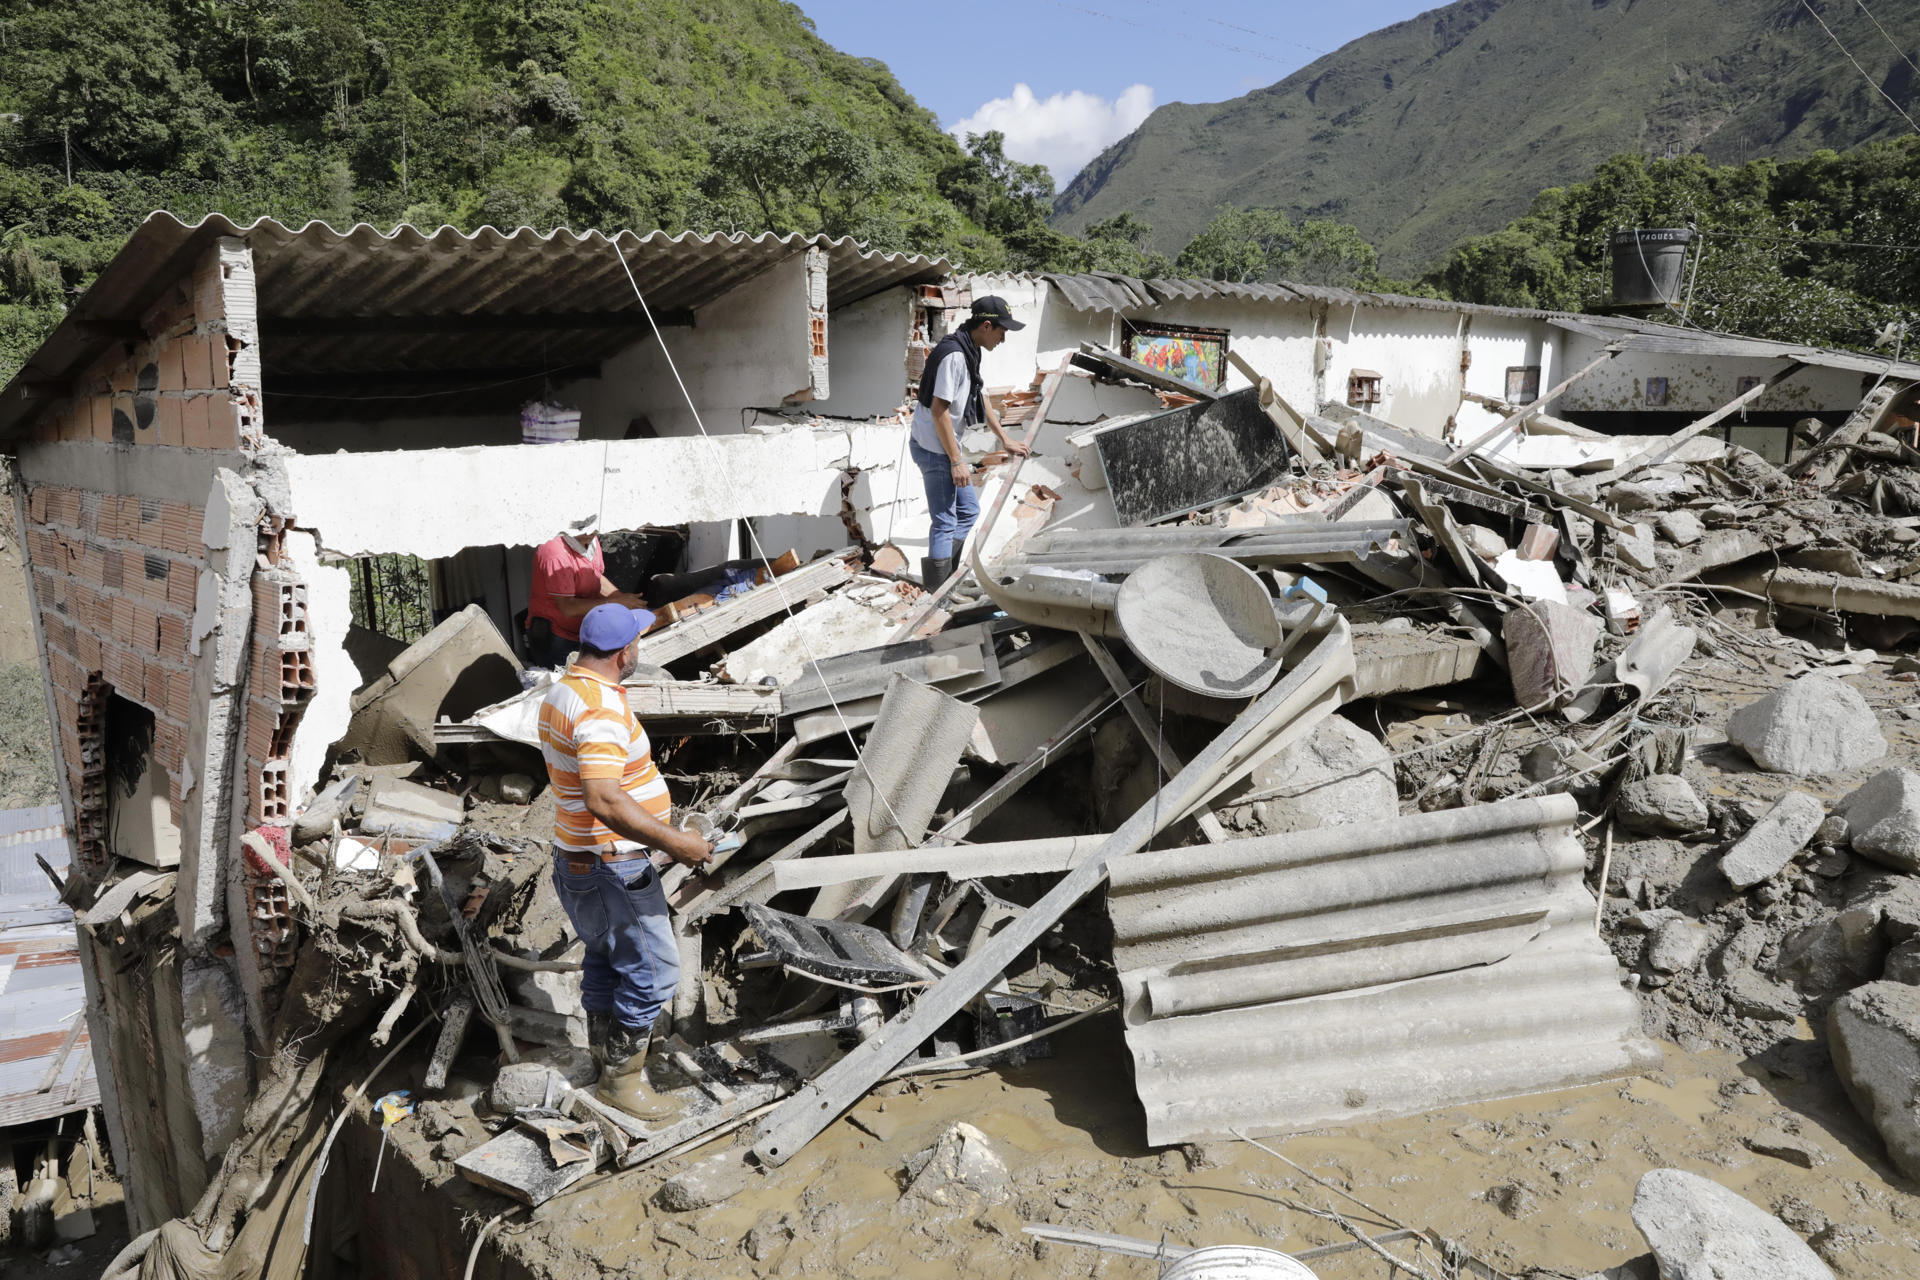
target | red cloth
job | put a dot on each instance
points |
(560, 571)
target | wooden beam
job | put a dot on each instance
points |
(1514, 419)
(522, 322)
(787, 593)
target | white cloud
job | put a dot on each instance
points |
(1063, 131)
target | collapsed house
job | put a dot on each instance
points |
(248, 452)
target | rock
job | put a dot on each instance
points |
(1641, 1268)
(1339, 775)
(573, 1062)
(1829, 863)
(1676, 946)
(1699, 1230)
(1663, 804)
(711, 1181)
(1752, 996)
(517, 788)
(774, 1231)
(1483, 542)
(1557, 759)
(1770, 843)
(1812, 725)
(524, 1085)
(1883, 815)
(960, 1169)
(1636, 551)
(1790, 1147)
(1200, 1156)
(1832, 831)
(1801, 1216)
(1903, 963)
(1549, 652)
(1681, 528)
(1836, 953)
(1740, 951)
(1873, 1033)
(1515, 1199)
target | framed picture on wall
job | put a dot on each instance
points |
(1190, 354)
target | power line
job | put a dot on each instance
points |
(1805, 4)
(1883, 31)
(1813, 240)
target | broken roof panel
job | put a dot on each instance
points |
(364, 300)
(46, 1063)
(1665, 339)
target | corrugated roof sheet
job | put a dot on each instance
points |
(1666, 339)
(46, 1061)
(314, 272)
(1285, 983)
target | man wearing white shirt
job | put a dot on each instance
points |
(951, 400)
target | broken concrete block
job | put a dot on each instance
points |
(1636, 550)
(1340, 774)
(1699, 1230)
(1664, 804)
(1676, 946)
(701, 1185)
(960, 1169)
(1752, 996)
(1873, 1033)
(1812, 725)
(1836, 953)
(1790, 1147)
(1771, 842)
(1483, 542)
(1549, 652)
(1538, 542)
(1681, 528)
(401, 808)
(522, 1086)
(460, 666)
(1883, 817)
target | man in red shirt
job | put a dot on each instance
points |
(569, 579)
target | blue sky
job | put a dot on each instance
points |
(1064, 79)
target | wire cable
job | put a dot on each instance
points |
(1808, 6)
(1883, 31)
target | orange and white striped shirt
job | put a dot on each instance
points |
(587, 730)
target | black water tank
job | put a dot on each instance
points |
(1648, 265)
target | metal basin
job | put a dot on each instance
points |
(1202, 621)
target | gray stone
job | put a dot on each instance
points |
(517, 788)
(1832, 831)
(1676, 946)
(1636, 551)
(1682, 528)
(702, 1185)
(1873, 1033)
(1699, 1230)
(1836, 953)
(960, 1169)
(1664, 804)
(1903, 963)
(1483, 542)
(1339, 775)
(1790, 1147)
(1770, 843)
(1829, 863)
(1557, 759)
(1752, 996)
(1812, 725)
(1643, 1267)
(1883, 814)
(521, 1086)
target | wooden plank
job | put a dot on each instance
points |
(1514, 419)
(1655, 454)
(1289, 709)
(786, 593)
(1156, 742)
(1824, 460)
(1141, 373)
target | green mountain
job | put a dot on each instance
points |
(1448, 124)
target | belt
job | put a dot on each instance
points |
(579, 861)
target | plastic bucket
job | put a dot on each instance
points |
(1237, 1262)
(1648, 264)
(548, 423)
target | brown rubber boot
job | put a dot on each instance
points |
(623, 1081)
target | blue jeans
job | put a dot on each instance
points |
(953, 509)
(620, 911)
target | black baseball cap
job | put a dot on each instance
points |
(994, 307)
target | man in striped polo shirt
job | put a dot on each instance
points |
(613, 810)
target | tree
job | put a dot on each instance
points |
(1119, 244)
(1241, 245)
(806, 173)
(1333, 253)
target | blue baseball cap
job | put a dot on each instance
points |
(611, 627)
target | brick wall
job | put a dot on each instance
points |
(115, 578)
(190, 382)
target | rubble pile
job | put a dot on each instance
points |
(1325, 706)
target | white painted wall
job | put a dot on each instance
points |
(1700, 384)
(334, 675)
(867, 356)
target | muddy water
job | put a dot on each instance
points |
(1564, 1165)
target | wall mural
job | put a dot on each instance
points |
(1192, 355)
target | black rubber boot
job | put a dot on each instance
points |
(934, 572)
(599, 1027)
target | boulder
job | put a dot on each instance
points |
(702, 1185)
(1339, 775)
(1836, 953)
(1809, 726)
(1664, 804)
(1903, 963)
(1699, 1230)
(517, 788)
(1883, 816)
(1676, 946)
(1681, 528)
(522, 1086)
(1873, 1033)
(1771, 842)
(959, 1170)
(1752, 996)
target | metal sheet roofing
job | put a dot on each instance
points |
(1666, 339)
(1285, 983)
(46, 1061)
(309, 276)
